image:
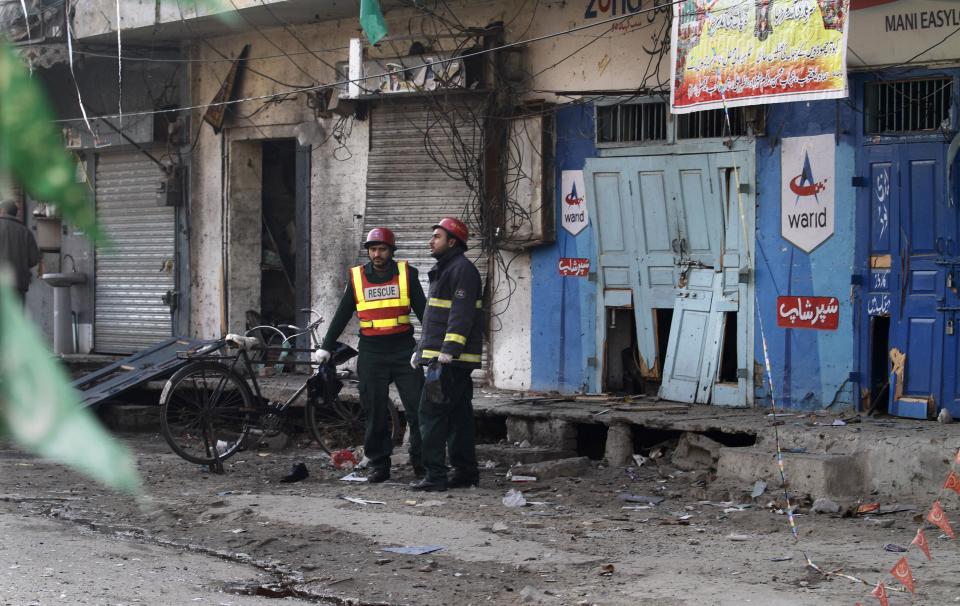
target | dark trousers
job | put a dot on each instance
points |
(447, 424)
(376, 372)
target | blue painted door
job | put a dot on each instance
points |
(907, 182)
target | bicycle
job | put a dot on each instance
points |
(208, 409)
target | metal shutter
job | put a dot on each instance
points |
(407, 191)
(137, 267)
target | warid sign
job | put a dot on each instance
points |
(765, 51)
(807, 191)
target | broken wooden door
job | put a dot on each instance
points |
(693, 347)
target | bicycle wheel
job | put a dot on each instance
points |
(341, 423)
(205, 406)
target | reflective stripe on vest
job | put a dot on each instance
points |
(383, 309)
(429, 354)
(447, 303)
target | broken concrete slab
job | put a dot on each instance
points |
(561, 468)
(819, 474)
(695, 451)
(508, 455)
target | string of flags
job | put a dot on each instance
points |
(901, 570)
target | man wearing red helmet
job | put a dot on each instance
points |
(450, 346)
(382, 293)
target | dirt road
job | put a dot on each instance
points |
(204, 538)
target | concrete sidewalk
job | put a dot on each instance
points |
(823, 454)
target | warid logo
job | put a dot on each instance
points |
(806, 191)
(804, 185)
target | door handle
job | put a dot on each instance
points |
(683, 245)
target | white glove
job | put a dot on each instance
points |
(445, 358)
(414, 362)
(322, 356)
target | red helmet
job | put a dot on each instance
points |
(380, 235)
(454, 227)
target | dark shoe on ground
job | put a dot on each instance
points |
(297, 472)
(463, 481)
(378, 475)
(419, 472)
(426, 485)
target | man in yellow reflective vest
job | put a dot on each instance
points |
(450, 346)
(382, 293)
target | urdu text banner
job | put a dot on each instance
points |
(746, 52)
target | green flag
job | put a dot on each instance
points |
(371, 20)
(41, 411)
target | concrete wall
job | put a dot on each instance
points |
(811, 368)
(510, 322)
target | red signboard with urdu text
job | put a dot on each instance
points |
(821, 313)
(572, 266)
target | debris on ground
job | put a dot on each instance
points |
(360, 501)
(606, 570)
(515, 478)
(945, 417)
(353, 477)
(891, 547)
(514, 498)
(759, 487)
(414, 549)
(557, 468)
(344, 459)
(500, 528)
(639, 498)
(868, 508)
(825, 505)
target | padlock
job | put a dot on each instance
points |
(949, 327)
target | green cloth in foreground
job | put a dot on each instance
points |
(41, 411)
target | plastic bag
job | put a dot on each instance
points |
(514, 498)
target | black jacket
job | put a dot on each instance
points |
(453, 320)
(18, 250)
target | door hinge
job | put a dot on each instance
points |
(744, 188)
(742, 373)
(592, 276)
(592, 362)
(858, 181)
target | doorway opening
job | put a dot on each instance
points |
(728, 353)
(662, 320)
(623, 373)
(278, 241)
(879, 395)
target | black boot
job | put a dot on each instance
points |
(378, 475)
(426, 485)
(463, 480)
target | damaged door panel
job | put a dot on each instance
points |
(663, 233)
(693, 350)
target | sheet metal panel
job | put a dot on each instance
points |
(136, 268)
